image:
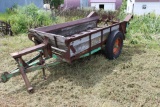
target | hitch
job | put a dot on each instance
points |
(5, 77)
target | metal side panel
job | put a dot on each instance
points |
(80, 41)
(82, 44)
(96, 38)
(95, 35)
(114, 27)
(106, 31)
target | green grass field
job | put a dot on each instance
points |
(132, 80)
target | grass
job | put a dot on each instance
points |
(131, 80)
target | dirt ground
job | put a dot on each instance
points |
(132, 80)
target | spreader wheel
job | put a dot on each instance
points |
(114, 45)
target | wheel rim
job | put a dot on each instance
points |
(117, 46)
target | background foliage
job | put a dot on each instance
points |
(24, 18)
(122, 10)
(54, 3)
(144, 28)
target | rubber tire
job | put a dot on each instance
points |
(110, 44)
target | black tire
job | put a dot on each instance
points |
(114, 45)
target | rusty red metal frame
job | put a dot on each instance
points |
(22, 64)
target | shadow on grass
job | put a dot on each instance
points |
(86, 72)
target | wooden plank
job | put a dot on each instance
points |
(51, 36)
(69, 31)
(67, 24)
(58, 49)
(60, 39)
(28, 50)
(128, 18)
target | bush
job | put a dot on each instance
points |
(122, 10)
(19, 23)
(145, 24)
(144, 28)
(28, 17)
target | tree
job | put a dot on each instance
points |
(56, 3)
